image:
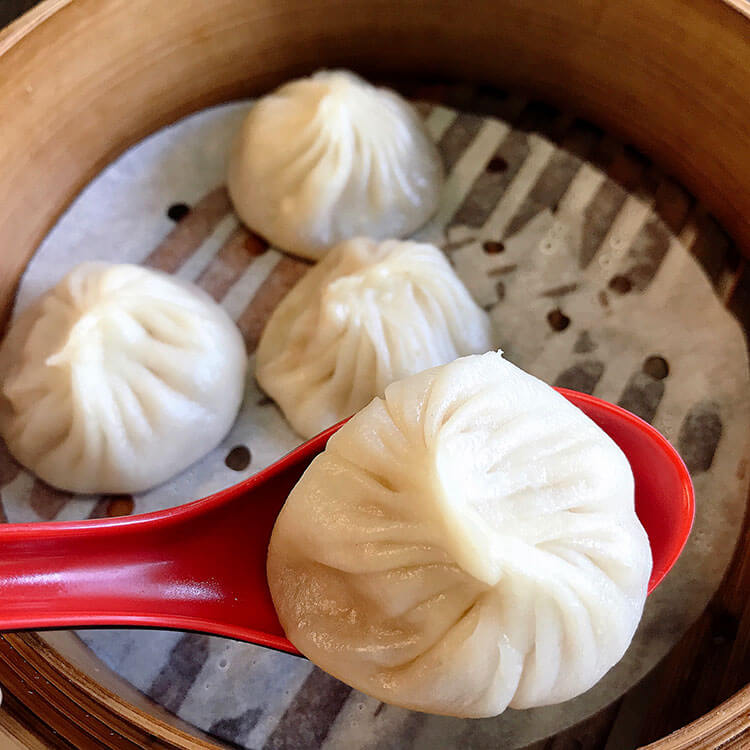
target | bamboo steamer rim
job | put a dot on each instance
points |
(84, 63)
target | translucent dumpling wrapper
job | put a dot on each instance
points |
(467, 543)
(118, 378)
(368, 314)
(330, 157)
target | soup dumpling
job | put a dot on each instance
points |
(330, 157)
(368, 314)
(118, 378)
(466, 543)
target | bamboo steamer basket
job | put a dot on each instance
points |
(81, 80)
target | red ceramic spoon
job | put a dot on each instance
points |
(202, 566)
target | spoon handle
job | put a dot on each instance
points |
(103, 572)
(199, 566)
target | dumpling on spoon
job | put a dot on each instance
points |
(368, 314)
(466, 543)
(330, 157)
(118, 378)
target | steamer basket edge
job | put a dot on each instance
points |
(82, 80)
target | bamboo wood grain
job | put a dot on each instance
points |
(15, 31)
(743, 6)
(81, 80)
(14, 735)
(60, 699)
(729, 723)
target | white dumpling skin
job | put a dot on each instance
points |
(466, 543)
(369, 313)
(118, 378)
(330, 157)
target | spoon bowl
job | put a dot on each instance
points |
(202, 566)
